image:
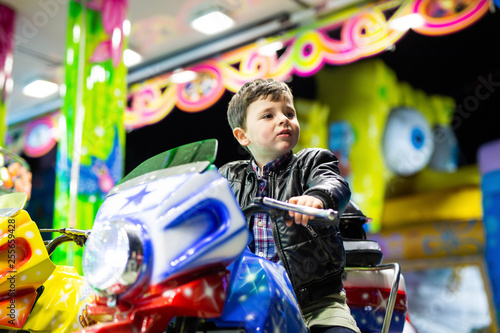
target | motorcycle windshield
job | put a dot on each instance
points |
(12, 203)
(192, 157)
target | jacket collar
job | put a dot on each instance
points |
(282, 165)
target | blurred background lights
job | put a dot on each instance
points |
(40, 88)
(212, 22)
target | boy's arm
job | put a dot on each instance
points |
(324, 183)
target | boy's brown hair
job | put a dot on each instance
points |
(249, 93)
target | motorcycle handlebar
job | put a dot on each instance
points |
(68, 235)
(269, 206)
(327, 214)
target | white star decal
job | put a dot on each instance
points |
(208, 292)
(63, 298)
(250, 278)
(53, 321)
(383, 302)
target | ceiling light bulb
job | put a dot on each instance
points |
(407, 22)
(40, 89)
(126, 27)
(270, 49)
(212, 22)
(131, 58)
(181, 76)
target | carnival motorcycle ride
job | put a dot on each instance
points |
(35, 294)
(167, 253)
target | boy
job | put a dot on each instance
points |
(263, 120)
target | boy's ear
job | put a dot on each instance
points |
(240, 135)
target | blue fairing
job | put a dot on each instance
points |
(260, 298)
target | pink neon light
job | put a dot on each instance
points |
(451, 23)
(202, 92)
(40, 144)
(362, 35)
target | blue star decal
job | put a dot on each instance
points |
(136, 199)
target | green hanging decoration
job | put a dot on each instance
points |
(90, 158)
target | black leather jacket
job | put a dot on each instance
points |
(314, 255)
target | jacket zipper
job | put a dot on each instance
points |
(251, 194)
(311, 230)
(277, 240)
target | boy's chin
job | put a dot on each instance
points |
(285, 148)
(288, 144)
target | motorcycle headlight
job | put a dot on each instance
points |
(113, 257)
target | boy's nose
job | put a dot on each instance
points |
(284, 120)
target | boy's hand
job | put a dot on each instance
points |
(303, 200)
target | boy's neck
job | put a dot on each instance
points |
(260, 163)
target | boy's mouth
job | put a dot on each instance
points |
(285, 133)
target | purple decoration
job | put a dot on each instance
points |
(489, 164)
(307, 49)
(489, 157)
(7, 21)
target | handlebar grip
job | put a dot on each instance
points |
(327, 214)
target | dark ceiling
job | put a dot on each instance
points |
(452, 65)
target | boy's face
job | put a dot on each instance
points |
(272, 128)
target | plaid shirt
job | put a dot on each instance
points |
(263, 241)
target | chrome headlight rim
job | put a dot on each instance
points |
(131, 265)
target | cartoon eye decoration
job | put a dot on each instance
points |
(446, 152)
(408, 141)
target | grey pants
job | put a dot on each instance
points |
(330, 312)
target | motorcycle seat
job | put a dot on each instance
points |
(362, 253)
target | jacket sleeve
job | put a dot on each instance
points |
(324, 180)
(224, 170)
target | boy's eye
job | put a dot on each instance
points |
(267, 116)
(290, 115)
